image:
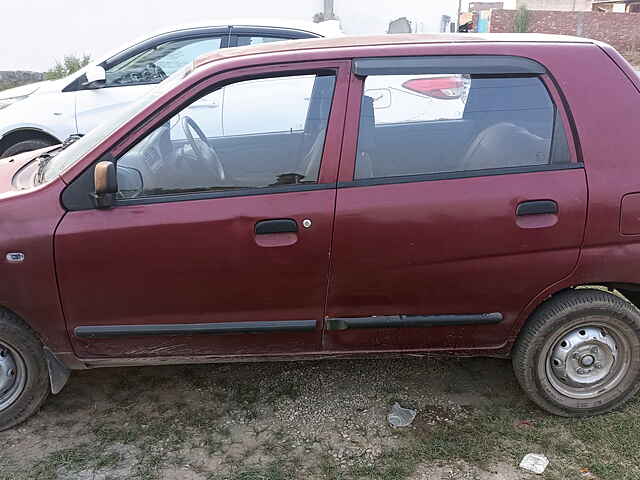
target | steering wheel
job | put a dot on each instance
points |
(153, 72)
(201, 147)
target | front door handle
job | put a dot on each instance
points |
(536, 207)
(277, 225)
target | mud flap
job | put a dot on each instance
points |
(58, 372)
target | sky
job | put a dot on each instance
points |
(36, 33)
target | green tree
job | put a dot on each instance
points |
(522, 20)
(69, 65)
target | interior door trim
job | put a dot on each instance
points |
(109, 331)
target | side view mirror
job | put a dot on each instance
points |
(106, 184)
(95, 76)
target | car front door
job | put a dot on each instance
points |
(461, 206)
(136, 71)
(216, 245)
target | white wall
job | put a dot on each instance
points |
(36, 33)
(565, 5)
(373, 16)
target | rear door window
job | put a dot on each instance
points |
(435, 123)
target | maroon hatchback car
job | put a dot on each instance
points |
(472, 195)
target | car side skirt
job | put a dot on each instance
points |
(499, 351)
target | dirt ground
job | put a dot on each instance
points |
(311, 420)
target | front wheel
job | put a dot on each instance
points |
(24, 378)
(579, 354)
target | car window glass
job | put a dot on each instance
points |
(154, 65)
(424, 124)
(261, 94)
(275, 137)
(244, 41)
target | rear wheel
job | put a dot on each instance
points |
(579, 354)
(26, 146)
(24, 378)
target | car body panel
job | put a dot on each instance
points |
(450, 246)
(29, 220)
(47, 110)
(209, 262)
(100, 105)
(414, 232)
(208, 267)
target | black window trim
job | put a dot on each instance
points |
(286, 33)
(230, 193)
(488, 172)
(458, 64)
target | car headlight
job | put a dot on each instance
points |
(5, 102)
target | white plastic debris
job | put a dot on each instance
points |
(400, 417)
(534, 462)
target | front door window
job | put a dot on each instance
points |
(256, 134)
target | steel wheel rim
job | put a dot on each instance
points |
(13, 375)
(587, 360)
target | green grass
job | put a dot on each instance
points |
(274, 471)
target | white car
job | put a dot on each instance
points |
(46, 113)
(417, 98)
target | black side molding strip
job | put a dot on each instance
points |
(107, 331)
(401, 321)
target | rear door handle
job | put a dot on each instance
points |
(536, 207)
(277, 225)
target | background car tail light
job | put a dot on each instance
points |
(445, 88)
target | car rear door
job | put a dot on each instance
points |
(187, 263)
(455, 211)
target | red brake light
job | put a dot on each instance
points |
(445, 88)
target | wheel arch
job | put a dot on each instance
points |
(628, 291)
(25, 133)
(58, 371)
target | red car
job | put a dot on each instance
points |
(325, 223)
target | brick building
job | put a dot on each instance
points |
(621, 30)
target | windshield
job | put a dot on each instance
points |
(69, 156)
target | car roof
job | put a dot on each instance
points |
(322, 28)
(383, 40)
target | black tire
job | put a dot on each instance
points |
(27, 146)
(551, 352)
(18, 339)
